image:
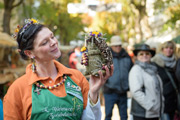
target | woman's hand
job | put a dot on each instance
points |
(97, 82)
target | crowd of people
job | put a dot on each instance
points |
(153, 82)
(49, 90)
(152, 78)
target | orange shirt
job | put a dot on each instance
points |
(17, 103)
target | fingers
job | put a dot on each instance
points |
(100, 74)
(107, 72)
(102, 77)
(112, 70)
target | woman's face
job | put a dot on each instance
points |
(144, 56)
(168, 51)
(46, 46)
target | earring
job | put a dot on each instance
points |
(33, 67)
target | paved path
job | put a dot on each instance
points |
(115, 112)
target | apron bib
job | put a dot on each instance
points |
(47, 106)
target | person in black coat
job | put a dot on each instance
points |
(178, 72)
(166, 62)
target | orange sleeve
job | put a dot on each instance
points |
(12, 106)
(17, 102)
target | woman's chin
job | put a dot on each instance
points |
(57, 56)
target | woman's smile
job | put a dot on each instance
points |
(54, 50)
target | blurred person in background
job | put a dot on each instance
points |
(130, 52)
(145, 86)
(178, 86)
(116, 87)
(166, 62)
(75, 58)
(178, 72)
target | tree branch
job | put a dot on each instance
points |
(17, 4)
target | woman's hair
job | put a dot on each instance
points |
(26, 36)
(168, 44)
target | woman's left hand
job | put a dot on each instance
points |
(97, 82)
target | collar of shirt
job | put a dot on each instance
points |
(34, 78)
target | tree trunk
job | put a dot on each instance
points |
(8, 6)
(6, 21)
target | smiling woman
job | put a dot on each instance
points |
(144, 56)
(166, 61)
(45, 43)
(145, 86)
(49, 90)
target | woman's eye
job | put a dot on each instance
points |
(52, 37)
(44, 43)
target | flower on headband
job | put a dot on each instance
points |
(16, 31)
(27, 22)
(34, 21)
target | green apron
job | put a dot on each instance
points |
(47, 106)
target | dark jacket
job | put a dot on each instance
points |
(178, 72)
(168, 89)
(118, 82)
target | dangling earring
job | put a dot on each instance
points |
(33, 67)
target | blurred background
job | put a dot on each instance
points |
(135, 21)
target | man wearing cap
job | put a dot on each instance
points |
(116, 87)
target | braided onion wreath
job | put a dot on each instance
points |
(96, 54)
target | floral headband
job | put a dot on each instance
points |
(27, 22)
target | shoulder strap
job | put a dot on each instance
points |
(172, 81)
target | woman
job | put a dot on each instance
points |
(49, 90)
(166, 62)
(145, 86)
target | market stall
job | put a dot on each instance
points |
(10, 66)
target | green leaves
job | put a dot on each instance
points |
(1, 5)
(54, 15)
(171, 8)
